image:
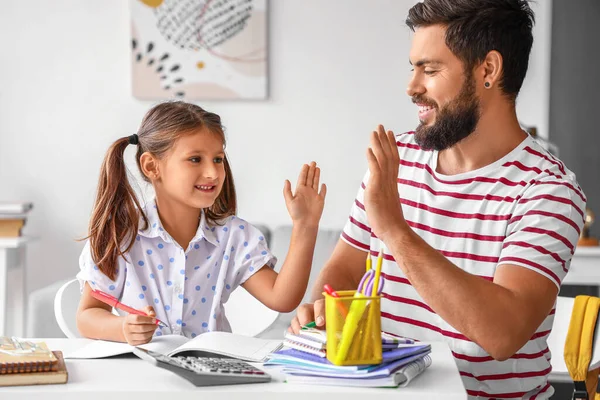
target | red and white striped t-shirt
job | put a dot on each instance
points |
(525, 209)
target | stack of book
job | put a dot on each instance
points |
(28, 363)
(303, 360)
(12, 218)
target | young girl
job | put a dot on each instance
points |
(179, 258)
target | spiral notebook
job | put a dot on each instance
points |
(314, 341)
(17, 356)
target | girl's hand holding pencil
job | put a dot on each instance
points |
(139, 329)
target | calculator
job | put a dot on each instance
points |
(206, 371)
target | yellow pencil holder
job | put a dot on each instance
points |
(353, 328)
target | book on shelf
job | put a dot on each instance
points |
(11, 227)
(15, 208)
(208, 343)
(12, 218)
(57, 374)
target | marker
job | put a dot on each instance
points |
(310, 325)
(329, 290)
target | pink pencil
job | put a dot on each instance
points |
(112, 301)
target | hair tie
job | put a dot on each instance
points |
(134, 139)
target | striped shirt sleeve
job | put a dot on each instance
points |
(357, 231)
(544, 228)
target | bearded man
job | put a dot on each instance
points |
(477, 222)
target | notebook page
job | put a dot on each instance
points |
(229, 344)
(102, 348)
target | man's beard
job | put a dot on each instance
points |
(453, 122)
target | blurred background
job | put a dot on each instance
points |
(336, 69)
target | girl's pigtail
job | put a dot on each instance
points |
(116, 215)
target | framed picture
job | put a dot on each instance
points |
(199, 49)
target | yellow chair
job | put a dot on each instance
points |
(579, 347)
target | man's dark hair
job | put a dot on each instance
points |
(476, 27)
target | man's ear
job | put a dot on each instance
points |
(149, 165)
(491, 69)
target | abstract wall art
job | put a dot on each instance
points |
(199, 49)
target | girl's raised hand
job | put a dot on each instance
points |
(306, 205)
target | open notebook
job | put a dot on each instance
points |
(209, 343)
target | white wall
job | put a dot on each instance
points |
(337, 69)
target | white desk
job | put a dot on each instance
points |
(132, 378)
(585, 267)
(13, 279)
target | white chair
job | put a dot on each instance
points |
(66, 302)
(246, 315)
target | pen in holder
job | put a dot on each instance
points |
(355, 338)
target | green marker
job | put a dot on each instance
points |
(310, 325)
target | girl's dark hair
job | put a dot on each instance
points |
(116, 216)
(476, 27)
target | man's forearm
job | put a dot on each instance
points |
(483, 311)
(334, 275)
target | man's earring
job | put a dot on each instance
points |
(487, 85)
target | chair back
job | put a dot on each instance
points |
(66, 302)
(246, 315)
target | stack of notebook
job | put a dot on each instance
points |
(314, 341)
(12, 218)
(303, 360)
(28, 363)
